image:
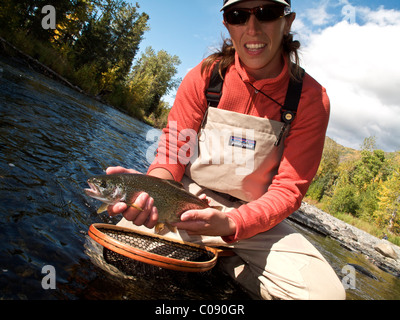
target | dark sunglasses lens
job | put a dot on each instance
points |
(237, 16)
(264, 14)
(269, 13)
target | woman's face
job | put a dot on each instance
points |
(259, 44)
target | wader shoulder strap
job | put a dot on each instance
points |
(291, 105)
(214, 90)
(292, 100)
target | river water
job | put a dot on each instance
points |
(51, 139)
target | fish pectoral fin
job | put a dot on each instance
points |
(164, 228)
(159, 227)
(219, 208)
(102, 208)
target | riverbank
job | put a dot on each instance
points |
(14, 56)
(381, 253)
(20, 58)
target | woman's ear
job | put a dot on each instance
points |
(225, 24)
(289, 21)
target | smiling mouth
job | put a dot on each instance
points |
(255, 46)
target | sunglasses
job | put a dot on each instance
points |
(263, 14)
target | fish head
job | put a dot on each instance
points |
(106, 189)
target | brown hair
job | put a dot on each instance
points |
(226, 55)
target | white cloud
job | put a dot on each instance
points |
(358, 65)
(319, 15)
(301, 30)
(382, 16)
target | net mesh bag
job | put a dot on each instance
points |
(159, 246)
(130, 246)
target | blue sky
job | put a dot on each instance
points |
(341, 41)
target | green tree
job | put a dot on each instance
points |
(71, 24)
(344, 200)
(152, 77)
(110, 41)
(26, 16)
(387, 215)
(327, 171)
(368, 168)
(369, 144)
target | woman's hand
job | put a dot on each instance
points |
(147, 217)
(208, 222)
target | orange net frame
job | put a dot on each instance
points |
(123, 245)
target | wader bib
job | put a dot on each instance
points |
(239, 154)
(238, 161)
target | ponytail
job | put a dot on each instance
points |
(226, 55)
(290, 49)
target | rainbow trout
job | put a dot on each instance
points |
(170, 198)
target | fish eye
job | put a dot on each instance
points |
(103, 184)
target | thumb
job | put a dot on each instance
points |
(190, 215)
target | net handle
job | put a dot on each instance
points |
(149, 257)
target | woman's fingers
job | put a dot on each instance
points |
(141, 212)
(117, 170)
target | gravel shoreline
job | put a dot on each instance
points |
(382, 253)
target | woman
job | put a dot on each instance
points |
(272, 260)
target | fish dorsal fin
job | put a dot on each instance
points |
(175, 183)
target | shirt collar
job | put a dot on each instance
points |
(281, 79)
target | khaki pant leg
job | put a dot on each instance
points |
(281, 263)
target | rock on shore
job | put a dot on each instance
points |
(382, 253)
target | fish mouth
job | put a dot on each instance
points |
(93, 191)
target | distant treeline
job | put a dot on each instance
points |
(364, 184)
(93, 44)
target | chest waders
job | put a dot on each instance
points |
(239, 154)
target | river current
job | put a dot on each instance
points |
(52, 139)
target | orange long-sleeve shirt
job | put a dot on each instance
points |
(303, 145)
